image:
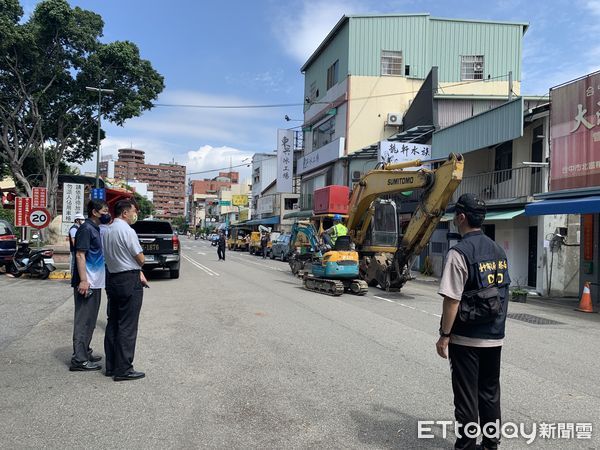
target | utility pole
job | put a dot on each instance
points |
(99, 91)
(510, 85)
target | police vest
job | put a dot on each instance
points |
(487, 265)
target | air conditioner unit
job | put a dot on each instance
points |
(394, 119)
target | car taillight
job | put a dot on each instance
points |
(175, 242)
(8, 237)
(48, 253)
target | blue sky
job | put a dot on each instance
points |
(241, 52)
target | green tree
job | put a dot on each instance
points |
(146, 207)
(46, 62)
(180, 223)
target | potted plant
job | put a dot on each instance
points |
(519, 294)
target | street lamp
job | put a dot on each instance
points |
(99, 91)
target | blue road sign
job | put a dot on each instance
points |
(99, 194)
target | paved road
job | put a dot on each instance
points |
(238, 355)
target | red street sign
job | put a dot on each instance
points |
(22, 207)
(40, 197)
(39, 218)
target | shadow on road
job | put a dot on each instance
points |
(385, 427)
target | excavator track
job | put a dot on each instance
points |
(358, 287)
(334, 288)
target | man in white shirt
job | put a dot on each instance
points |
(124, 287)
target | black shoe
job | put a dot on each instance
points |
(95, 358)
(109, 373)
(84, 367)
(133, 375)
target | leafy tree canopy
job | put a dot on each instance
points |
(46, 62)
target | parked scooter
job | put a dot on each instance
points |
(38, 263)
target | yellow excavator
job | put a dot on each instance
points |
(386, 250)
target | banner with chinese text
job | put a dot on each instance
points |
(285, 160)
(395, 152)
(575, 134)
(73, 195)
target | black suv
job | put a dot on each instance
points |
(160, 244)
(8, 243)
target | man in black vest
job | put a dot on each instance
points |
(474, 285)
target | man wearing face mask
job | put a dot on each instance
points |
(124, 288)
(474, 286)
(87, 281)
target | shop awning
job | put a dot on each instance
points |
(265, 221)
(491, 215)
(299, 214)
(581, 205)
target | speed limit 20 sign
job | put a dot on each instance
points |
(39, 218)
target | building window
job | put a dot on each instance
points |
(332, 74)
(471, 67)
(290, 203)
(391, 63)
(323, 134)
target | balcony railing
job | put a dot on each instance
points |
(509, 184)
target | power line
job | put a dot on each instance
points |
(287, 105)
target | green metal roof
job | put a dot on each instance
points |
(497, 125)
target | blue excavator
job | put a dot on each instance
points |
(330, 271)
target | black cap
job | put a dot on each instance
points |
(469, 203)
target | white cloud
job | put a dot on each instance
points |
(215, 159)
(304, 31)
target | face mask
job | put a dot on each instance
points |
(133, 219)
(105, 218)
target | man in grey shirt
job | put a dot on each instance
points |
(124, 287)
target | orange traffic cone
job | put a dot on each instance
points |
(585, 304)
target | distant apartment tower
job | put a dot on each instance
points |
(165, 180)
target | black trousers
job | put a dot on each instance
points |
(476, 386)
(125, 293)
(221, 252)
(84, 323)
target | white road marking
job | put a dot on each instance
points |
(408, 306)
(206, 269)
(259, 264)
(202, 253)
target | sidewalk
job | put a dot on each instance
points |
(547, 306)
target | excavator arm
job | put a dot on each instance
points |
(393, 270)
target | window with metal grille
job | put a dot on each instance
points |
(471, 67)
(332, 75)
(391, 63)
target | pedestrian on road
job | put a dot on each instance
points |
(221, 244)
(264, 242)
(87, 281)
(124, 288)
(79, 219)
(474, 285)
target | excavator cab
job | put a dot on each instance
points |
(384, 226)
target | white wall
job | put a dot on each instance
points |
(513, 237)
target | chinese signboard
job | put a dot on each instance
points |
(22, 208)
(99, 194)
(239, 200)
(326, 154)
(575, 134)
(394, 152)
(72, 204)
(285, 160)
(40, 197)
